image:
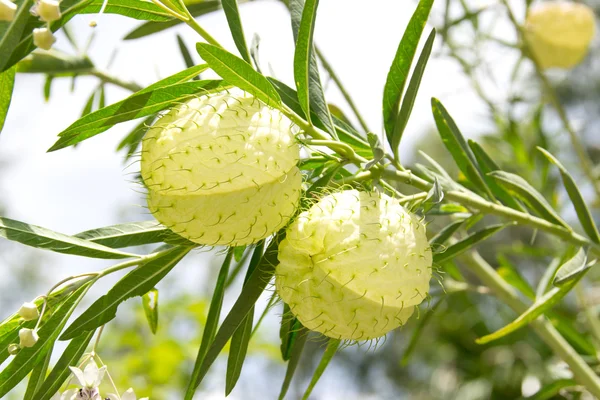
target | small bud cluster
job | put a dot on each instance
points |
(354, 266)
(8, 10)
(46, 10)
(221, 169)
(559, 33)
(27, 337)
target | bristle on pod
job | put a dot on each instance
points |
(354, 266)
(221, 169)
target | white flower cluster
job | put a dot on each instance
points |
(89, 379)
(47, 11)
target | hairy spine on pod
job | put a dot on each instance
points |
(354, 266)
(559, 33)
(221, 169)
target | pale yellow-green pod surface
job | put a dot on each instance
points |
(354, 265)
(559, 33)
(221, 169)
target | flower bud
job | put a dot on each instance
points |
(559, 33)
(43, 38)
(354, 266)
(48, 10)
(28, 337)
(29, 311)
(13, 349)
(7, 10)
(221, 169)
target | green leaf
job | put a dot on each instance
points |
(468, 242)
(48, 87)
(7, 82)
(134, 138)
(571, 269)
(532, 198)
(287, 332)
(136, 9)
(43, 238)
(294, 360)
(330, 350)
(510, 274)
(37, 375)
(55, 63)
(237, 351)
(60, 372)
(434, 197)
(149, 28)
(579, 203)
(446, 233)
(238, 73)
(150, 304)
(214, 313)
(398, 74)
(306, 71)
(89, 104)
(487, 165)
(411, 94)
(185, 53)
(138, 105)
(235, 26)
(29, 357)
(348, 136)
(250, 293)
(10, 32)
(376, 148)
(136, 283)
(127, 235)
(574, 269)
(241, 338)
(457, 146)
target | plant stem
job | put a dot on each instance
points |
(582, 372)
(586, 163)
(205, 35)
(104, 77)
(342, 89)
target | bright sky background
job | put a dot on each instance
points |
(86, 187)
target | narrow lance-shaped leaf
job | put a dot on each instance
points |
(214, 312)
(7, 82)
(445, 233)
(139, 105)
(297, 350)
(571, 269)
(37, 375)
(29, 357)
(411, 94)
(239, 73)
(458, 148)
(136, 283)
(576, 268)
(185, 53)
(10, 32)
(466, 243)
(235, 26)
(250, 294)
(151, 27)
(54, 62)
(61, 372)
(241, 338)
(398, 73)
(416, 335)
(132, 141)
(579, 203)
(306, 70)
(150, 304)
(487, 165)
(330, 350)
(43, 238)
(127, 235)
(531, 197)
(378, 152)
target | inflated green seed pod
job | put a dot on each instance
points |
(559, 33)
(354, 266)
(221, 169)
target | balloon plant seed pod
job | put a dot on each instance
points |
(354, 266)
(221, 169)
(559, 33)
